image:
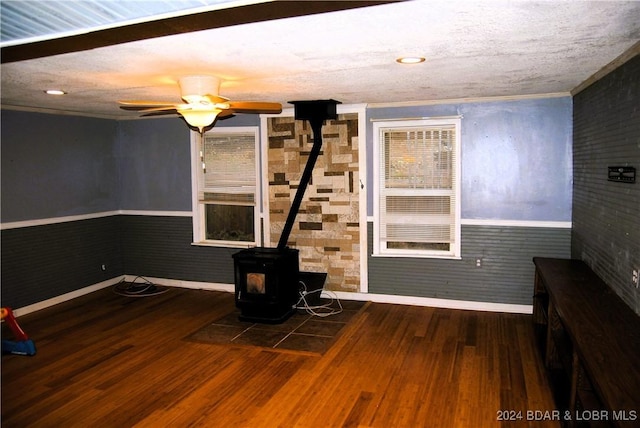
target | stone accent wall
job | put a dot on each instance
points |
(327, 228)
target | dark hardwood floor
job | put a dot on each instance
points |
(105, 360)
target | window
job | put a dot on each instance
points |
(225, 197)
(417, 191)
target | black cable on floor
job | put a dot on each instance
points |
(136, 289)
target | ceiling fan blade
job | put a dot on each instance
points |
(146, 103)
(255, 107)
(160, 113)
(148, 108)
(225, 114)
(216, 99)
(133, 108)
(172, 107)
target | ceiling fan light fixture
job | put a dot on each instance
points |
(194, 88)
(200, 118)
(203, 104)
(410, 60)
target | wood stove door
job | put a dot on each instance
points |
(327, 228)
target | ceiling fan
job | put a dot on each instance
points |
(202, 103)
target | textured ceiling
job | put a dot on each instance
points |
(472, 49)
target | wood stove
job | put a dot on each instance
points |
(266, 279)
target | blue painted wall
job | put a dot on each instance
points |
(56, 166)
(154, 162)
(154, 166)
(516, 161)
(516, 156)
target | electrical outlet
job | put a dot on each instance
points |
(636, 278)
(478, 262)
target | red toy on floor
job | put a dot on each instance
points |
(22, 345)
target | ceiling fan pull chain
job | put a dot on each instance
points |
(204, 164)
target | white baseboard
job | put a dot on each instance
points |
(343, 295)
(433, 302)
(113, 281)
(378, 298)
(210, 286)
(67, 296)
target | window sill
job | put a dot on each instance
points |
(223, 244)
(416, 256)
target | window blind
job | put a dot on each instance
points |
(417, 189)
(228, 168)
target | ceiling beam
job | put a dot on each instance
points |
(178, 25)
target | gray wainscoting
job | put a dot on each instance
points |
(160, 246)
(505, 275)
(43, 262)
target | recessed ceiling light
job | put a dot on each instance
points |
(55, 92)
(410, 60)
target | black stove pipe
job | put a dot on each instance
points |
(315, 112)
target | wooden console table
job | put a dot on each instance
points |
(590, 342)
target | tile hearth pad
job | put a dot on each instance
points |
(302, 332)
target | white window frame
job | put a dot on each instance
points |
(198, 207)
(380, 248)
